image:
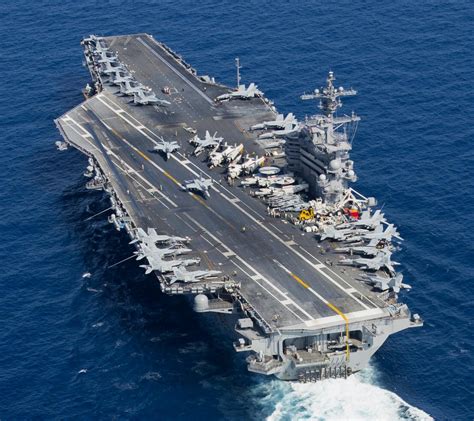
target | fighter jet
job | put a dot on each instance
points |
(98, 45)
(151, 251)
(108, 68)
(200, 185)
(167, 148)
(119, 77)
(130, 87)
(181, 275)
(367, 220)
(280, 123)
(383, 284)
(106, 56)
(142, 97)
(208, 142)
(287, 129)
(370, 249)
(152, 237)
(378, 233)
(332, 233)
(381, 260)
(241, 93)
(165, 266)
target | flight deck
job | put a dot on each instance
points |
(279, 275)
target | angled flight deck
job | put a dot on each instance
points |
(285, 282)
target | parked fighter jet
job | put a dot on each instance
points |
(381, 260)
(336, 234)
(208, 142)
(181, 275)
(367, 220)
(384, 284)
(370, 249)
(144, 98)
(98, 45)
(151, 251)
(287, 129)
(378, 233)
(130, 87)
(280, 123)
(167, 148)
(200, 185)
(241, 93)
(152, 237)
(119, 77)
(106, 56)
(165, 266)
(108, 68)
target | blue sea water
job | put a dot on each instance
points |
(111, 346)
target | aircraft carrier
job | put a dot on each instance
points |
(247, 211)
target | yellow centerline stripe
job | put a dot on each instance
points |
(299, 280)
(346, 320)
(332, 307)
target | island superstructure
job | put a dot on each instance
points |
(246, 210)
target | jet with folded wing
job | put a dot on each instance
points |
(381, 260)
(182, 275)
(384, 284)
(151, 237)
(166, 266)
(279, 123)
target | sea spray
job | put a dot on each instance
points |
(358, 397)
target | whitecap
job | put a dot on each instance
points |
(356, 398)
(151, 376)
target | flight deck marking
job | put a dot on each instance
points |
(250, 267)
(331, 306)
(109, 152)
(321, 271)
(256, 279)
(209, 100)
(101, 98)
(251, 217)
(164, 172)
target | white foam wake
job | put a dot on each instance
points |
(357, 398)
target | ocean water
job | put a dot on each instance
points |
(109, 345)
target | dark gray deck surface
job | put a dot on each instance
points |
(282, 272)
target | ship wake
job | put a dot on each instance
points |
(357, 398)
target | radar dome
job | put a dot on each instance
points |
(350, 173)
(322, 177)
(201, 303)
(335, 164)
